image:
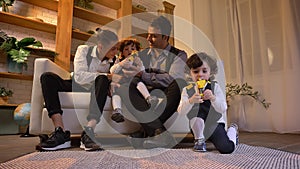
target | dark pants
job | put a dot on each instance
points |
(220, 139)
(52, 84)
(152, 119)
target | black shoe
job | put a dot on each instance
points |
(57, 140)
(137, 139)
(88, 140)
(117, 116)
(162, 138)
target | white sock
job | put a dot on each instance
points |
(116, 102)
(231, 133)
(143, 89)
(197, 125)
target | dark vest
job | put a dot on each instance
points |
(145, 57)
(202, 109)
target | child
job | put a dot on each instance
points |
(128, 61)
(206, 107)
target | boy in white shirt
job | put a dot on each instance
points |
(206, 106)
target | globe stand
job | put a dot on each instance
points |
(27, 134)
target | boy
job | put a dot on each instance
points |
(206, 107)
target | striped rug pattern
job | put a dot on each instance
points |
(244, 156)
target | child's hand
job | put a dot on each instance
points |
(196, 98)
(208, 95)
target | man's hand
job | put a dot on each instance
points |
(130, 72)
(114, 77)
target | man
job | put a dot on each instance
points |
(91, 67)
(163, 75)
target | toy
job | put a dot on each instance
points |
(201, 83)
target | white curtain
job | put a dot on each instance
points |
(259, 41)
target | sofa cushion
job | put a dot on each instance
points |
(79, 100)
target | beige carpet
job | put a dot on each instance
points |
(245, 156)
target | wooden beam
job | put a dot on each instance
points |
(64, 33)
(125, 10)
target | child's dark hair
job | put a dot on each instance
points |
(197, 59)
(127, 42)
(163, 24)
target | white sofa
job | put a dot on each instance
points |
(75, 118)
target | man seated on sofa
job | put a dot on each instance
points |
(91, 74)
(164, 73)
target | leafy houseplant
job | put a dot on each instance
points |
(86, 4)
(18, 51)
(244, 90)
(4, 94)
(5, 3)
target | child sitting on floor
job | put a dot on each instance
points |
(206, 107)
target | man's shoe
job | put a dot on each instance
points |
(199, 145)
(57, 140)
(152, 101)
(117, 116)
(88, 140)
(235, 126)
(162, 138)
(137, 139)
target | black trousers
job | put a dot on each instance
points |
(152, 119)
(220, 139)
(52, 84)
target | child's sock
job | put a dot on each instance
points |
(197, 125)
(232, 134)
(116, 102)
(143, 89)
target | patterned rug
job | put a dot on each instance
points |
(244, 156)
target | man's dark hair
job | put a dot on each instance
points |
(105, 37)
(163, 24)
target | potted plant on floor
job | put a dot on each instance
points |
(233, 90)
(4, 95)
(17, 52)
(5, 3)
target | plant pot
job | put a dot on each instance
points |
(14, 67)
(4, 100)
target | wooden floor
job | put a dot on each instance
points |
(13, 146)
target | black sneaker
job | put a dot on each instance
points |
(88, 140)
(57, 140)
(199, 145)
(117, 116)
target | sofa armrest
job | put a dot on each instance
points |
(41, 65)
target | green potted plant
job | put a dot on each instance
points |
(5, 3)
(4, 94)
(244, 90)
(17, 52)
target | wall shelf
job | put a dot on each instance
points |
(26, 22)
(48, 4)
(15, 76)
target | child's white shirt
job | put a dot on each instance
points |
(219, 104)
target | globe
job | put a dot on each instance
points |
(22, 114)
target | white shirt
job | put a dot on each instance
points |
(219, 104)
(84, 75)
